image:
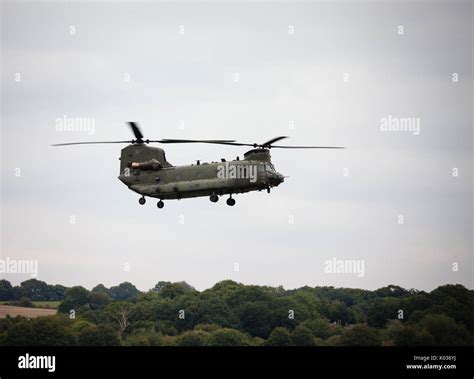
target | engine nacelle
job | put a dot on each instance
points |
(152, 164)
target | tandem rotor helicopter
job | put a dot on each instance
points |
(145, 170)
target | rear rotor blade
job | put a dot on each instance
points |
(307, 147)
(216, 142)
(136, 130)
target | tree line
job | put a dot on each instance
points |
(234, 314)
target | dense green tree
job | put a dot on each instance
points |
(100, 335)
(228, 337)
(193, 338)
(18, 292)
(382, 310)
(303, 306)
(160, 285)
(75, 297)
(56, 292)
(124, 291)
(257, 318)
(19, 333)
(247, 294)
(100, 288)
(98, 300)
(41, 331)
(408, 335)
(360, 335)
(321, 328)
(210, 328)
(336, 311)
(288, 311)
(6, 290)
(231, 314)
(445, 331)
(417, 302)
(35, 290)
(23, 302)
(144, 337)
(391, 291)
(119, 314)
(175, 290)
(279, 337)
(78, 295)
(166, 309)
(166, 328)
(146, 309)
(214, 310)
(80, 324)
(302, 336)
(454, 301)
(225, 286)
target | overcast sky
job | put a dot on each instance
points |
(322, 73)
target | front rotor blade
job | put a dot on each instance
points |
(136, 130)
(268, 143)
(89, 143)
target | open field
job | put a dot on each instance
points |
(47, 304)
(25, 312)
(40, 304)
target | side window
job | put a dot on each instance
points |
(178, 177)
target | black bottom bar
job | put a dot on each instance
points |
(402, 362)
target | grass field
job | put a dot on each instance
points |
(47, 304)
(40, 304)
(9, 310)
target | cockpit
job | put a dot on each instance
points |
(266, 167)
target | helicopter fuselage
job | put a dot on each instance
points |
(145, 170)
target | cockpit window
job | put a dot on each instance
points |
(269, 167)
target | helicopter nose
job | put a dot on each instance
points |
(275, 179)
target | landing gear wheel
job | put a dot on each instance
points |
(214, 198)
(142, 200)
(160, 204)
(230, 202)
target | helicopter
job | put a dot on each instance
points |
(145, 170)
